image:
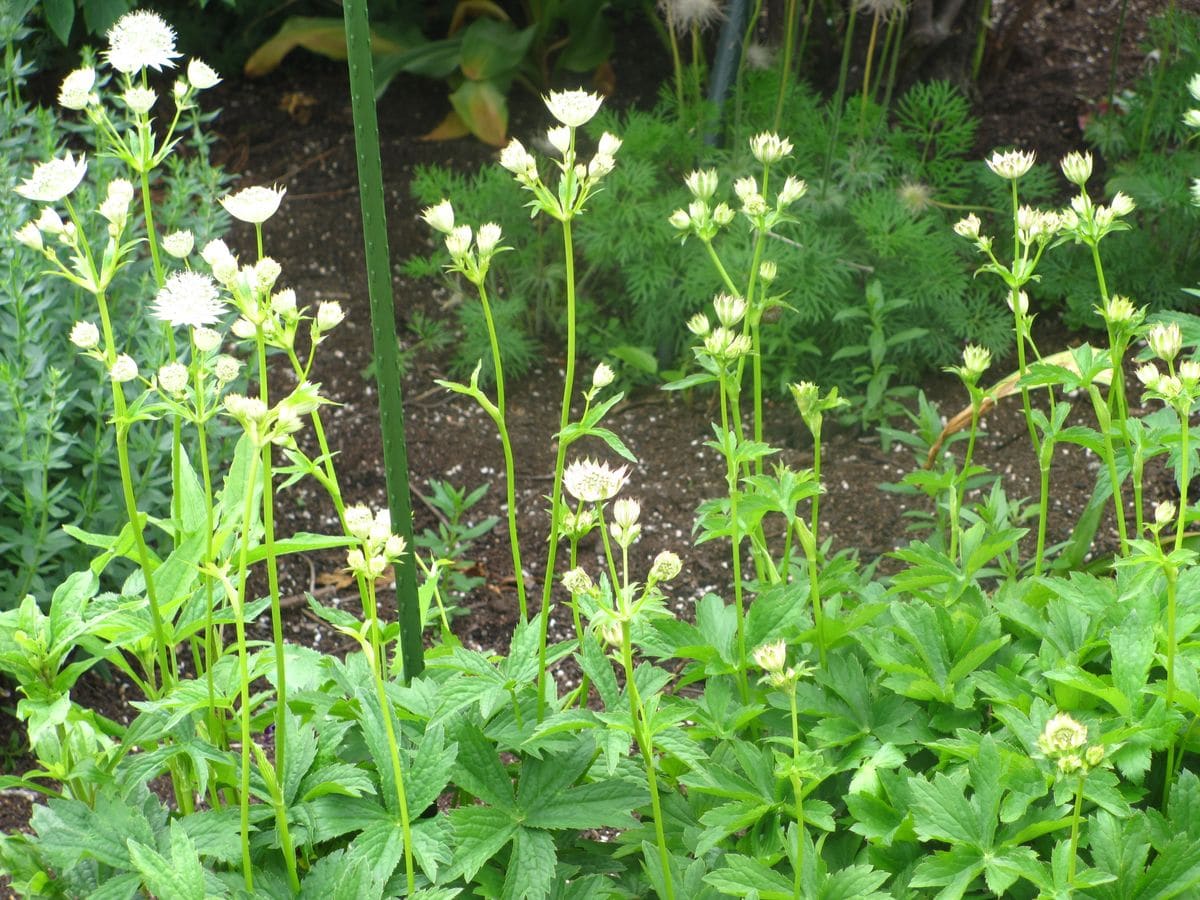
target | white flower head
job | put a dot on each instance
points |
(1148, 375)
(1165, 341)
(243, 328)
(140, 99)
(702, 183)
(123, 369)
(573, 108)
(221, 260)
(116, 202)
(329, 315)
(201, 75)
(458, 242)
(141, 40)
(1022, 304)
(173, 378)
(283, 303)
(968, 227)
(560, 138)
(1062, 736)
(793, 189)
(1077, 167)
(1011, 164)
(49, 222)
(684, 15)
(254, 204)
(593, 482)
(699, 325)
(28, 235)
(1122, 204)
(603, 376)
(179, 244)
(518, 160)
(359, 519)
(1164, 513)
(85, 335)
(487, 238)
(205, 339)
(577, 581)
(666, 566)
(771, 657)
(729, 309)
(439, 217)
(76, 90)
(188, 299)
(609, 145)
(53, 180)
(226, 369)
(769, 148)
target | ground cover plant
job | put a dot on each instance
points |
(980, 723)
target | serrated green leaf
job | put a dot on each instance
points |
(480, 832)
(531, 866)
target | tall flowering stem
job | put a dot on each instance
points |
(383, 322)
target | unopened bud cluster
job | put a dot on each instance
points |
(1064, 741)
(379, 545)
(772, 659)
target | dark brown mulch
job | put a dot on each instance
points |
(1057, 73)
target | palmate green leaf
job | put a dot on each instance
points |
(531, 866)
(478, 769)
(953, 870)
(182, 878)
(742, 876)
(480, 832)
(941, 811)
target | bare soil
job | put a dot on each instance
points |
(294, 128)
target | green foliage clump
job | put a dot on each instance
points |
(57, 461)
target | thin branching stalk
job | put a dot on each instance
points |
(785, 68)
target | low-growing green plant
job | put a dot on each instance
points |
(975, 724)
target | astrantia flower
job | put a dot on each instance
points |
(53, 180)
(188, 298)
(254, 204)
(518, 160)
(329, 314)
(1062, 735)
(1077, 167)
(1012, 164)
(139, 99)
(1164, 513)
(226, 368)
(76, 90)
(439, 217)
(771, 657)
(577, 581)
(487, 238)
(179, 244)
(1165, 341)
(116, 202)
(559, 138)
(141, 40)
(603, 376)
(201, 75)
(665, 566)
(976, 360)
(573, 108)
(28, 235)
(968, 227)
(593, 482)
(729, 308)
(702, 183)
(793, 189)
(85, 335)
(173, 378)
(769, 148)
(205, 339)
(123, 369)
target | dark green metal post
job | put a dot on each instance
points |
(383, 324)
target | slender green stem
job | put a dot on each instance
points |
(510, 474)
(735, 540)
(866, 84)
(559, 460)
(646, 746)
(1043, 506)
(385, 710)
(798, 794)
(1172, 649)
(238, 599)
(1075, 831)
(1184, 474)
(785, 69)
(268, 519)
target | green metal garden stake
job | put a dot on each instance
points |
(383, 324)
